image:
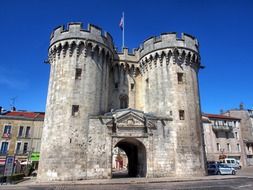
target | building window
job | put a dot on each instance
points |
(123, 101)
(218, 146)
(7, 129)
(18, 148)
(181, 114)
(25, 148)
(236, 135)
(27, 132)
(180, 78)
(78, 74)
(227, 135)
(4, 148)
(228, 147)
(75, 110)
(20, 131)
(238, 148)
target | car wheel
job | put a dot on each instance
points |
(218, 173)
(233, 172)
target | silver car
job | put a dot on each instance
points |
(220, 169)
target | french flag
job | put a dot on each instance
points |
(121, 23)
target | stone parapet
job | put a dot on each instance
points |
(166, 40)
(75, 30)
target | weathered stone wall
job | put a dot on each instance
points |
(161, 152)
(99, 151)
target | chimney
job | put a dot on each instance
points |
(241, 106)
(13, 108)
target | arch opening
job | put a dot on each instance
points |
(136, 156)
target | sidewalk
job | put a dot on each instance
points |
(244, 173)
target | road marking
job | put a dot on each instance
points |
(245, 186)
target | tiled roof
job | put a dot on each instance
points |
(217, 116)
(24, 114)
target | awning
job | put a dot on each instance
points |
(2, 161)
(25, 163)
(35, 156)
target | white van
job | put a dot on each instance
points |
(232, 162)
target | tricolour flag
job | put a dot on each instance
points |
(121, 23)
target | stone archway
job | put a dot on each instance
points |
(137, 158)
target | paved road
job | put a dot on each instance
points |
(242, 181)
(225, 184)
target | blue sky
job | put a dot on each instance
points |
(223, 28)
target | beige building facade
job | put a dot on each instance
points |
(145, 102)
(223, 138)
(20, 135)
(246, 116)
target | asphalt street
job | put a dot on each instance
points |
(242, 181)
(224, 184)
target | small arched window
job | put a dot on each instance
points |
(123, 101)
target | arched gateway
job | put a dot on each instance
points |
(136, 154)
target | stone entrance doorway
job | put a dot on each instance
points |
(136, 154)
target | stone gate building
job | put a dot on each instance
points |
(145, 102)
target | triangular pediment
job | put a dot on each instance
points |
(130, 118)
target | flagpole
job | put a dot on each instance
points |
(123, 32)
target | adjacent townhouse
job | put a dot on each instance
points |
(222, 136)
(20, 135)
(246, 116)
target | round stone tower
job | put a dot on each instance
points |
(169, 67)
(78, 87)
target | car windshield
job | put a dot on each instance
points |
(223, 166)
(211, 166)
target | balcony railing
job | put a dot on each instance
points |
(3, 153)
(6, 135)
(222, 127)
(24, 136)
(21, 152)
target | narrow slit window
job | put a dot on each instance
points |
(75, 110)
(78, 74)
(218, 146)
(132, 86)
(238, 148)
(116, 85)
(123, 101)
(180, 78)
(181, 114)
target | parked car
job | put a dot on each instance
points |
(231, 162)
(220, 169)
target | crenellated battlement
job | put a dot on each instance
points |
(75, 30)
(125, 55)
(167, 40)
